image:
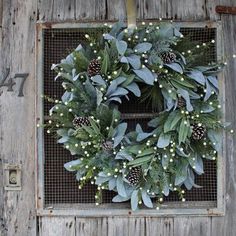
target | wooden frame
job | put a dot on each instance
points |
(88, 210)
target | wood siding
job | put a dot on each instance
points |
(18, 122)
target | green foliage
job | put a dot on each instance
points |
(166, 157)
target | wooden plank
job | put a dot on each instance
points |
(63, 10)
(188, 10)
(155, 9)
(194, 226)
(90, 9)
(51, 226)
(159, 226)
(210, 10)
(229, 38)
(117, 9)
(137, 226)
(17, 115)
(91, 226)
(45, 10)
(118, 226)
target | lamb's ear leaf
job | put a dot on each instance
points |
(134, 200)
(119, 133)
(134, 88)
(71, 166)
(146, 199)
(120, 187)
(176, 67)
(163, 140)
(142, 47)
(119, 198)
(121, 46)
(146, 75)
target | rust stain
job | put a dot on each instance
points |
(226, 10)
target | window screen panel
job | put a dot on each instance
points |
(60, 186)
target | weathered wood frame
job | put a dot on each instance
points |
(88, 210)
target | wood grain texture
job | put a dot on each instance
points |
(229, 37)
(159, 226)
(17, 115)
(91, 226)
(155, 9)
(57, 226)
(91, 10)
(194, 226)
(17, 40)
(64, 10)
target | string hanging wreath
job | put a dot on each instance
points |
(141, 166)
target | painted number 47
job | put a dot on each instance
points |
(11, 82)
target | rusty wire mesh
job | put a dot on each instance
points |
(60, 186)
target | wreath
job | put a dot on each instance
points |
(161, 67)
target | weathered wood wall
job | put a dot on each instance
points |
(17, 117)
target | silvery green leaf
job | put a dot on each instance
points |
(143, 47)
(98, 80)
(108, 37)
(64, 139)
(185, 95)
(119, 198)
(134, 200)
(124, 155)
(112, 184)
(163, 140)
(120, 187)
(62, 132)
(213, 80)
(197, 76)
(133, 87)
(181, 175)
(181, 152)
(143, 136)
(111, 88)
(199, 165)
(79, 47)
(146, 199)
(183, 130)
(176, 67)
(165, 160)
(79, 174)
(67, 97)
(216, 138)
(70, 166)
(134, 61)
(166, 190)
(208, 91)
(119, 80)
(102, 180)
(121, 46)
(99, 96)
(207, 108)
(119, 133)
(146, 75)
(124, 59)
(119, 92)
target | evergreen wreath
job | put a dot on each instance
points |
(140, 165)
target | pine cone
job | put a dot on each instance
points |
(134, 175)
(79, 121)
(198, 132)
(94, 67)
(181, 103)
(168, 57)
(107, 145)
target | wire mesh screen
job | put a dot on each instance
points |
(60, 186)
